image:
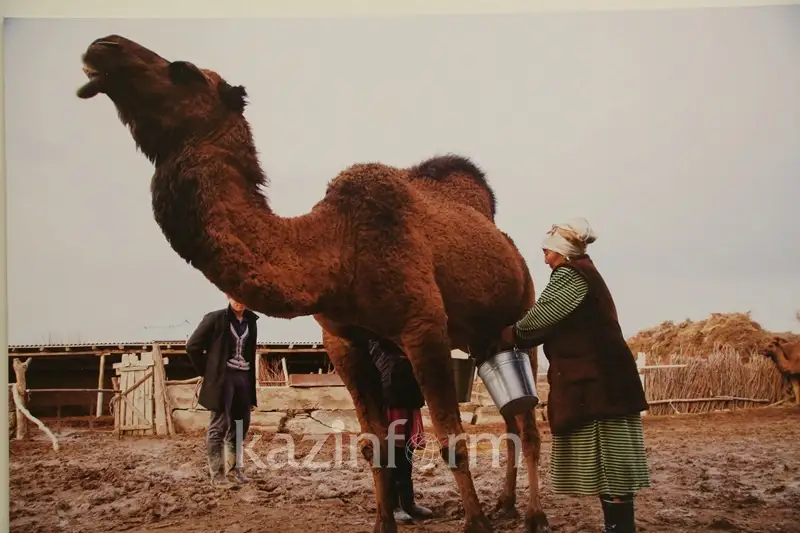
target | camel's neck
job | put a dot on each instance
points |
(208, 204)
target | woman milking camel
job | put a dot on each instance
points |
(596, 396)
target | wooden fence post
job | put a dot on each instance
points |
(100, 380)
(21, 385)
(641, 362)
(163, 411)
(285, 369)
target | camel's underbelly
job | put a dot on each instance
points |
(407, 258)
(479, 274)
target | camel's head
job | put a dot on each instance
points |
(773, 347)
(153, 92)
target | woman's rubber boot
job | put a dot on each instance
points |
(618, 514)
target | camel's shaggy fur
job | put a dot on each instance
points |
(411, 255)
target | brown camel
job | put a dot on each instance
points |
(786, 356)
(411, 255)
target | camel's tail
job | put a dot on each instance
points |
(474, 190)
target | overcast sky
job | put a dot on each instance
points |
(676, 133)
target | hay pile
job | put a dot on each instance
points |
(720, 331)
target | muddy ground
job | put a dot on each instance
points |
(732, 471)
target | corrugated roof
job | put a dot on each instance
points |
(179, 342)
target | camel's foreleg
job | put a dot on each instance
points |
(356, 369)
(427, 345)
(796, 389)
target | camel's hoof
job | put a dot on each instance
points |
(478, 525)
(505, 508)
(536, 522)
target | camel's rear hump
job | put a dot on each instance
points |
(457, 179)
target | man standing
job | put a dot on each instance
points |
(223, 351)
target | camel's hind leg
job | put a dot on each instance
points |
(427, 345)
(796, 389)
(522, 429)
(535, 517)
(356, 369)
(506, 504)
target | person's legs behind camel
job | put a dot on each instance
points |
(405, 486)
(395, 466)
(402, 399)
(407, 432)
(405, 507)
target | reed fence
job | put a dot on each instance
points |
(723, 380)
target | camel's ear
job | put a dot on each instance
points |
(234, 97)
(183, 72)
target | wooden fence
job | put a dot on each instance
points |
(140, 404)
(723, 380)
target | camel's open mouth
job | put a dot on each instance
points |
(94, 85)
(90, 72)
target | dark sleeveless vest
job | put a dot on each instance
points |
(592, 371)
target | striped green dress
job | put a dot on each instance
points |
(604, 457)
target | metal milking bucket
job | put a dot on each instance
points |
(509, 378)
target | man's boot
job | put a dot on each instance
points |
(408, 504)
(233, 467)
(400, 515)
(216, 465)
(405, 488)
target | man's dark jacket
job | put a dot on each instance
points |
(210, 347)
(399, 387)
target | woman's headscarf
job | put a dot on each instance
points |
(569, 239)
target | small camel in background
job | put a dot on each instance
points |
(786, 356)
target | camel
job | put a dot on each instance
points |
(411, 255)
(786, 357)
